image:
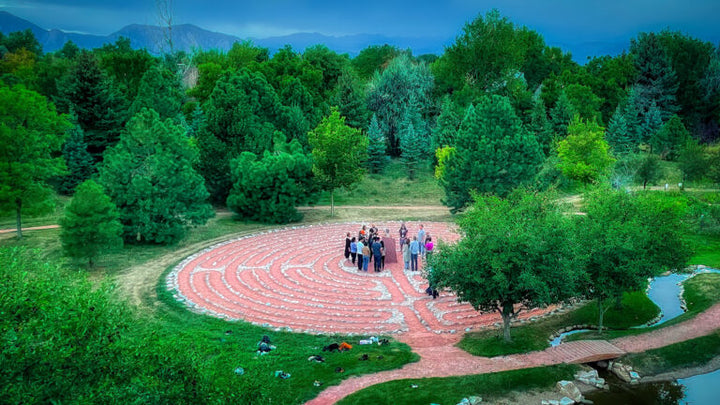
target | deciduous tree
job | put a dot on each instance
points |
(584, 154)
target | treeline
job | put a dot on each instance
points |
(165, 136)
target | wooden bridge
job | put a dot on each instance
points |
(585, 351)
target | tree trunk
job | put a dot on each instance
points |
(618, 302)
(507, 312)
(18, 220)
(332, 203)
(601, 314)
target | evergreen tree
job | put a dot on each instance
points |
(91, 224)
(197, 122)
(541, 127)
(350, 100)
(160, 90)
(150, 178)
(710, 106)
(656, 80)
(376, 147)
(100, 108)
(649, 170)
(670, 138)
(561, 115)
(412, 148)
(692, 161)
(392, 92)
(268, 189)
(493, 153)
(618, 134)
(79, 162)
(447, 125)
(651, 123)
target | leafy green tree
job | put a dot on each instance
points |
(31, 134)
(376, 147)
(374, 58)
(268, 189)
(160, 90)
(493, 153)
(339, 153)
(649, 169)
(447, 125)
(330, 64)
(584, 154)
(79, 162)
(91, 224)
(584, 101)
(391, 94)
(670, 138)
(150, 178)
(125, 66)
(624, 239)
(18, 40)
(515, 254)
(208, 75)
(692, 161)
(350, 100)
(100, 108)
(709, 127)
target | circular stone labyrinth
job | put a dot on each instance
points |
(298, 279)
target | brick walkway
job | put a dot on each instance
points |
(296, 278)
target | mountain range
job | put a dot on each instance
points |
(188, 37)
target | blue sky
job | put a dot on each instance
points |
(559, 21)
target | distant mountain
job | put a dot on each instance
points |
(189, 37)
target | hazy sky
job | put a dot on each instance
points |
(557, 20)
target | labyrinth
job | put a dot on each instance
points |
(298, 279)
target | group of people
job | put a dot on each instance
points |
(369, 247)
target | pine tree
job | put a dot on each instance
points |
(350, 100)
(540, 126)
(78, 160)
(656, 81)
(618, 134)
(376, 147)
(651, 123)
(561, 115)
(160, 90)
(494, 153)
(100, 108)
(447, 125)
(413, 138)
(670, 138)
(150, 178)
(91, 224)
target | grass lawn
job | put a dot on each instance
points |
(451, 390)
(391, 187)
(637, 310)
(690, 353)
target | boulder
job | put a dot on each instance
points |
(570, 390)
(566, 401)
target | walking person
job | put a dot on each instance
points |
(403, 234)
(421, 239)
(406, 253)
(414, 251)
(347, 246)
(353, 249)
(360, 246)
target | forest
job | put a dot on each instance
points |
(166, 137)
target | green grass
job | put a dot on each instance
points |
(8, 220)
(690, 353)
(637, 309)
(391, 187)
(451, 390)
(707, 250)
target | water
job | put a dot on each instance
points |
(698, 390)
(664, 291)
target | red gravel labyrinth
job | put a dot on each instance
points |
(298, 279)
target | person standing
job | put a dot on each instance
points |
(360, 246)
(421, 239)
(377, 254)
(428, 247)
(406, 253)
(414, 251)
(403, 234)
(366, 256)
(353, 249)
(347, 246)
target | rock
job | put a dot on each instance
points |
(586, 402)
(566, 401)
(570, 390)
(475, 400)
(622, 372)
(602, 364)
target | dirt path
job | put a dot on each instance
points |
(32, 228)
